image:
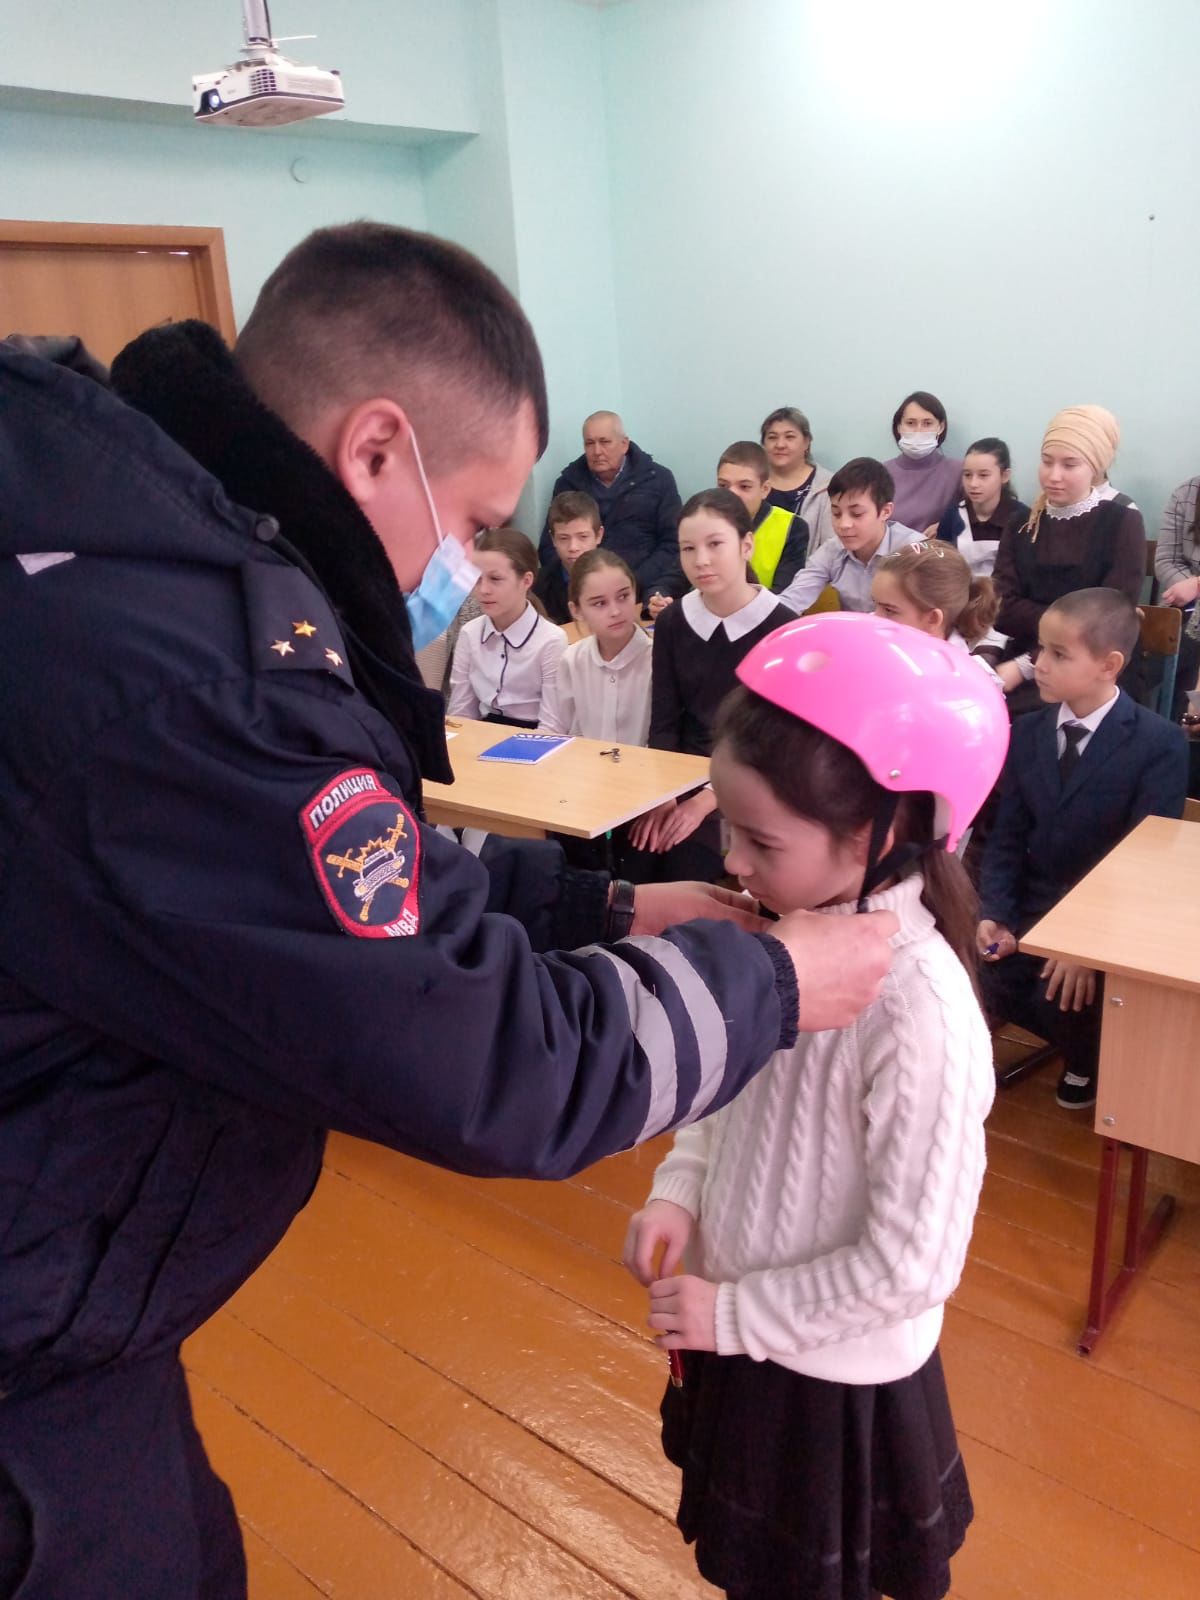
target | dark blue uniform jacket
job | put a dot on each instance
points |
(640, 515)
(224, 927)
(1048, 835)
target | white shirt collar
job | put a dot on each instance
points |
(1065, 513)
(632, 652)
(1093, 719)
(705, 622)
(517, 633)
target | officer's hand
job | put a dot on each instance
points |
(657, 906)
(840, 963)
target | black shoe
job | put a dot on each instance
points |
(1075, 1091)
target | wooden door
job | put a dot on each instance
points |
(109, 283)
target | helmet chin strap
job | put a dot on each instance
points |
(896, 861)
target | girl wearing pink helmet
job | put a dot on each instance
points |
(824, 1215)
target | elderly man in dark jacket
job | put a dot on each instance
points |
(639, 504)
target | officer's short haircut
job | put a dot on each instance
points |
(1107, 619)
(367, 309)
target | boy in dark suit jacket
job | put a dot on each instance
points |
(1080, 775)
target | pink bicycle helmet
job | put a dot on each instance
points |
(917, 711)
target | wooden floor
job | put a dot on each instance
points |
(438, 1387)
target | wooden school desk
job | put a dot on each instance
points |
(576, 790)
(1136, 918)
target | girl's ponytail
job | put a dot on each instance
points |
(977, 616)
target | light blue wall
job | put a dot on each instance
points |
(399, 58)
(707, 208)
(557, 144)
(85, 169)
(827, 205)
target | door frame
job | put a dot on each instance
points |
(207, 244)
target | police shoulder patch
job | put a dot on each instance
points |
(365, 850)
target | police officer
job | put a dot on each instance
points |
(224, 925)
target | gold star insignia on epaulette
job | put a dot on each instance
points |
(333, 658)
(283, 648)
(306, 629)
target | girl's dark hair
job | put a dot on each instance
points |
(517, 548)
(724, 504)
(591, 561)
(936, 578)
(927, 402)
(998, 449)
(818, 777)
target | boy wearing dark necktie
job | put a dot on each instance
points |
(1080, 775)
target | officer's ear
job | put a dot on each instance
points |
(372, 450)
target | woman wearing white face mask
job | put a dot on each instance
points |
(927, 482)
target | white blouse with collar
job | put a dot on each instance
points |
(599, 699)
(509, 674)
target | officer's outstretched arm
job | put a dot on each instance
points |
(232, 882)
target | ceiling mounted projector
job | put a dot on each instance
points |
(265, 89)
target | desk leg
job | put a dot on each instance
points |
(1104, 1297)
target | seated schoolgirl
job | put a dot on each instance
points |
(988, 508)
(602, 688)
(1073, 538)
(698, 642)
(506, 660)
(927, 482)
(930, 586)
(825, 1213)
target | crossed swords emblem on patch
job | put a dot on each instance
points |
(376, 866)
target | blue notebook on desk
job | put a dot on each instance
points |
(525, 748)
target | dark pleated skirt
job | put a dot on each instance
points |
(799, 1489)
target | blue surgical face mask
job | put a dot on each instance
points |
(447, 580)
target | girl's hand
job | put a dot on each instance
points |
(1077, 984)
(644, 831)
(993, 933)
(659, 1224)
(684, 820)
(657, 604)
(1182, 593)
(684, 1312)
(1010, 676)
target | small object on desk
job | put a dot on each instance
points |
(614, 753)
(524, 749)
(450, 723)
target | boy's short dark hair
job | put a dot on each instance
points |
(1107, 620)
(570, 506)
(745, 453)
(927, 402)
(864, 475)
(366, 308)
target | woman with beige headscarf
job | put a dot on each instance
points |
(1075, 537)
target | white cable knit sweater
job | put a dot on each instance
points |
(836, 1194)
